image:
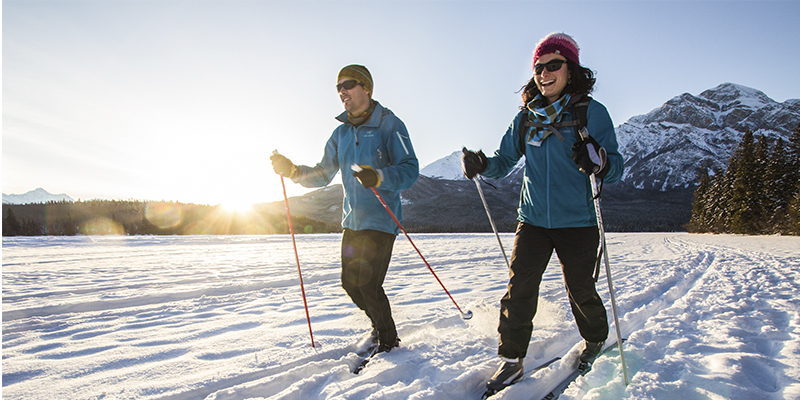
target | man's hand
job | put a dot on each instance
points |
(367, 176)
(281, 164)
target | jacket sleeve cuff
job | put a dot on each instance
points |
(380, 177)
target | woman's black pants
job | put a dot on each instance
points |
(533, 246)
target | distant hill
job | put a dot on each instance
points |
(34, 196)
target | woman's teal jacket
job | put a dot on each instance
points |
(383, 144)
(555, 193)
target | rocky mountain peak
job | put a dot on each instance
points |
(668, 147)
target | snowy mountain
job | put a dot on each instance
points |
(668, 147)
(34, 196)
(449, 167)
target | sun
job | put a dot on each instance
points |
(237, 206)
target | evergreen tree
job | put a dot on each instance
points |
(725, 192)
(30, 228)
(760, 201)
(793, 154)
(743, 199)
(716, 204)
(698, 223)
(793, 179)
(778, 189)
(794, 215)
(11, 226)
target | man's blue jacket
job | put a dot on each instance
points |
(383, 144)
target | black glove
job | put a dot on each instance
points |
(590, 157)
(473, 163)
(282, 165)
(367, 176)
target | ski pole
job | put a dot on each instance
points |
(464, 315)
(491, 221)
(593, 179)
(296, 257)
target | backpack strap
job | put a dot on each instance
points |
(577, 106)
(526, 122)
(521, 132)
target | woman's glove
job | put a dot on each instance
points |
(473, 163)
(282, 165)
(590, 157)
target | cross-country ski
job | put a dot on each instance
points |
(365, 359)
(583, 367)
(491, 392)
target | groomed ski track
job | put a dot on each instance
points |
(689, 271)
(243, 336)
(687, 278)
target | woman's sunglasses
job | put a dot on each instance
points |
(551, 66)
(347, 85)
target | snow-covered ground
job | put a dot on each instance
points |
(221, 317)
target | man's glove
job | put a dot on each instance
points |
(367, 176)
(282, 165)
(590, 157)
(473, 163)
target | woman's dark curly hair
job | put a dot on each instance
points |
(582, 81)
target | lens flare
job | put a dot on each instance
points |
(101, 226)
(163, 215)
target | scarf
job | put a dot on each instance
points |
(545, 114)
(356, 121)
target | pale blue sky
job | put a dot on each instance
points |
(185, 100)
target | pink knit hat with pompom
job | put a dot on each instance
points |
(558, 43)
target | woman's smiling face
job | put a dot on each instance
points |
(551, 83)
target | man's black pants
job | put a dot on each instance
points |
(533, 246)
(365, 260)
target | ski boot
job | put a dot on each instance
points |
(509, 373)
(368, 344)
(385, 347)
(590, 352)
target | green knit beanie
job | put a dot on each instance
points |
(359, 73)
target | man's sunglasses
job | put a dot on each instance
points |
(551, 66)
(347, 85)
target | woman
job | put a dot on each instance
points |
(556, 207)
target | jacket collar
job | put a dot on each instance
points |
(374, 120)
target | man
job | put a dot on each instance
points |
(372, 138)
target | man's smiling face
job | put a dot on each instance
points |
(355, 100)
